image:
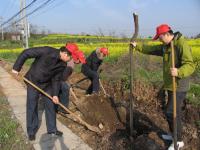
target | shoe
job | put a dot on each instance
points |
(88, 95)
(180, 144)
(56, 133)
(31, 137)
(93, 94)
(167, 137)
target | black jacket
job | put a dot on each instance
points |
(47, 68)
(92, 62)
(67, 73)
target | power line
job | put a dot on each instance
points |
(41, 6)
(18, 13)
(51, 6)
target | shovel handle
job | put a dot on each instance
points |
(174, 97)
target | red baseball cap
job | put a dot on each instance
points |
(163, 28)
(79, 55)
(104, 50)
(72, 47)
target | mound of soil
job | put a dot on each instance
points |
(149, 120)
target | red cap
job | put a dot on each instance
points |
(104, 50)
(79, 55)
(72, 47)
(163, 28)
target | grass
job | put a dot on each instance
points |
(193, 95)
(10, 130)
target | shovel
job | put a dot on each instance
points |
(82, 122)
(174, 98)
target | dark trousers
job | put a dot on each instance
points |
(94, 78)
(180, 98)
(64, 94)
(32, 111)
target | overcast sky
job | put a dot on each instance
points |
(111, 16)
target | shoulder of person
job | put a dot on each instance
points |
(179, 39)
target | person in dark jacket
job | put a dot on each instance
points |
(184, 67)
(93, 61)
(78, 57)
(45, 72)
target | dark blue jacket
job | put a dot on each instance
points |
(47, 68)
(92, 62)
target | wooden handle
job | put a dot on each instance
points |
(174, 97)
(136, 25)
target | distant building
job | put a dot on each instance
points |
(13, 36)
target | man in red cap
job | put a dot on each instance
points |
(184, 67)
(78, 57)
(93, 61)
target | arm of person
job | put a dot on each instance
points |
(150, 49)
(95, 65)
(56, 83)
(26, 54)
(188, 66)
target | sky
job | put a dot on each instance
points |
(110, 17)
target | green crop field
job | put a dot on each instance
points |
(115, 49)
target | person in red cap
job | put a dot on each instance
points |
(93, 61)
(72, 47)
(184, 67)
(78, 57)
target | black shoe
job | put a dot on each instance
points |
(31, 137)
(56, 133)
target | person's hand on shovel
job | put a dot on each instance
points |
(174, 72)
(15, 72)
(55, 99)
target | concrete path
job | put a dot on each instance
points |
(16, 96)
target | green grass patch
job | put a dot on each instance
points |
(10, 130)
(193, 95)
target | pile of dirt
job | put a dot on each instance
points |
(148, 116)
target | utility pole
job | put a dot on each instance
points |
(2, 34)
(24, 23)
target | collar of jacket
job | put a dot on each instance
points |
(177, 35)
